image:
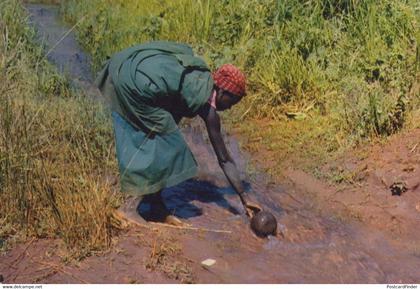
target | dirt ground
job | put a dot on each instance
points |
(356, 224)
(356, 232)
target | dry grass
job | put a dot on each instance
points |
(166, 256)
(56, 148)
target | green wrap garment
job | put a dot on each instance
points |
(150, 87)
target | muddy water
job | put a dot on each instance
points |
(61, 47)
(312, 245)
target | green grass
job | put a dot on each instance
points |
(351, 63)
(56, 148)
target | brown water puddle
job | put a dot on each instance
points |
(314, 245)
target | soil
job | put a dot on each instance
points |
(346, 228)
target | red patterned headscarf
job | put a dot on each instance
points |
(230, 78)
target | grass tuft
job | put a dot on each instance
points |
(56, 148)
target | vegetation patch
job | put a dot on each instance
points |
(56, 148)
(338, 70)
(166, 256)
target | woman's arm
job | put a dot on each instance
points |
(212, 121)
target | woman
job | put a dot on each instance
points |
(150, 87)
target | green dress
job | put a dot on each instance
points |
(150, 87)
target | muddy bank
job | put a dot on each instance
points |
(315, 243)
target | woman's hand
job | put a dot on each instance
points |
(251, 208)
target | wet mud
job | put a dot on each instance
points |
(318, 240)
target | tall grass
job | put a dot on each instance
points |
(56, 147)
(353, 61)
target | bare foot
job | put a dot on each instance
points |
(128, 211)
(173, 220)
(161, 214)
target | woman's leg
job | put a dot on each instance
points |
(160, 212)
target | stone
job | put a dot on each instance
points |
(208, 262)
